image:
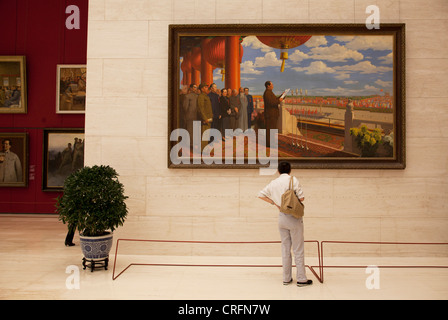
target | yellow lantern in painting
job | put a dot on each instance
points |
(284, 43)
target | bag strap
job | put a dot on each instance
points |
(291, 187)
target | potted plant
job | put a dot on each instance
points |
(94, 203)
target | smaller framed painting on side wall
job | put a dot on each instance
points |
(71, 89)
(63, 154)
(13, 159)
(13, 97)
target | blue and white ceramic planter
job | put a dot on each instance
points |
(96, 248)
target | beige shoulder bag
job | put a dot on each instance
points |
(291, 203)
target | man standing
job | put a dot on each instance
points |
(271, 112)
(290, 228)
(242, 121)
(10, 165)
(214, 98)
(190, 110)
(182, 93)
(67, 160)
(235, 105)
(250, 107)
(205, 113)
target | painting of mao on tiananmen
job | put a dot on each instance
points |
(319, 96)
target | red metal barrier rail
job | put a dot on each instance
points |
(212, 265)
(320, 254)
(322, 265)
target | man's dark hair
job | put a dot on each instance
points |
(267, 83)
(202, 85)
(284, 167)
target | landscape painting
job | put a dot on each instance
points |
(319, 96)
(63, 155)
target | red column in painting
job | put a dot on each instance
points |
(195, 76)
(187, 72)
(206, 68)
(196, 65)
(232, 62)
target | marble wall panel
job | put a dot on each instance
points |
(420, 9)
(93, 149)
(136, 10)
(250, 205)
(193, 196)
(95, 76)
(319, 196)
(158, 48)
(427, 157)
(437, 195)
(118, 117)
(135, 190)
(159, 29)
(157, 122)
(135, 77)
(296, 11)
(426, 78)
(403, 199)
(124, 77)
(425, 117)
(236, 10)
(155, 77)
(426, 38)
(118, 39)
(194, 9)
(332, 10)
(96, 10)
(357, 198)
(136, 156)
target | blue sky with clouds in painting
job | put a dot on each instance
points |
(324, 66)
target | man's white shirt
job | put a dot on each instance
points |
(277, 187)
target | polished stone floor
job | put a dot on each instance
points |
(35, 264)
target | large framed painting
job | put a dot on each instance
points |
(13, 159)
(63, 154)
(316, 95)
(71, 88)
(13, 97)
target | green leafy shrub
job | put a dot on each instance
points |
(93, 201)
